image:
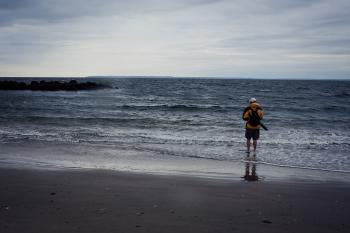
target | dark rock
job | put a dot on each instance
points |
(43, 85)
(266, 221)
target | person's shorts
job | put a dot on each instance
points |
(252, 133)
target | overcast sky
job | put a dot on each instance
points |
(211, 38)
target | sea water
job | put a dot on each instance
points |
(177, 125)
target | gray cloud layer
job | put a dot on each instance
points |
(271, 38)
(13, 11)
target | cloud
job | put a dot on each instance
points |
(304, 38)
(29, 11)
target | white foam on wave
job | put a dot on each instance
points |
(305, 136)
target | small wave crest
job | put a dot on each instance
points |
(179, 107)
(342, 94)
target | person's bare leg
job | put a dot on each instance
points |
(248, 145)
(255, 142)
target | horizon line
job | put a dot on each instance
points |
(176, 77)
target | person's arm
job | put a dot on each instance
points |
(245, 115)
(261, 114)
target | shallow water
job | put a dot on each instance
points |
(143, 121)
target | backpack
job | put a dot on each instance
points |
(254, 119)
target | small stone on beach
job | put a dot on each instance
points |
(101, 210)
(5, 207)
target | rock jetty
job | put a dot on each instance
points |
(43, 85)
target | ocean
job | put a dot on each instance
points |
(177, 125)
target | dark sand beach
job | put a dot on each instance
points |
(108, 201)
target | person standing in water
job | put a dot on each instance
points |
(252, 116)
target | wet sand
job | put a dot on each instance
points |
(108, 201)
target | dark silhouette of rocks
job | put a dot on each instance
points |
(43, 85)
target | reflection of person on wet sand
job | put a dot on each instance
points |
(250, 175)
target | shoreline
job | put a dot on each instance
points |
(206, 169)
(105, 201)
